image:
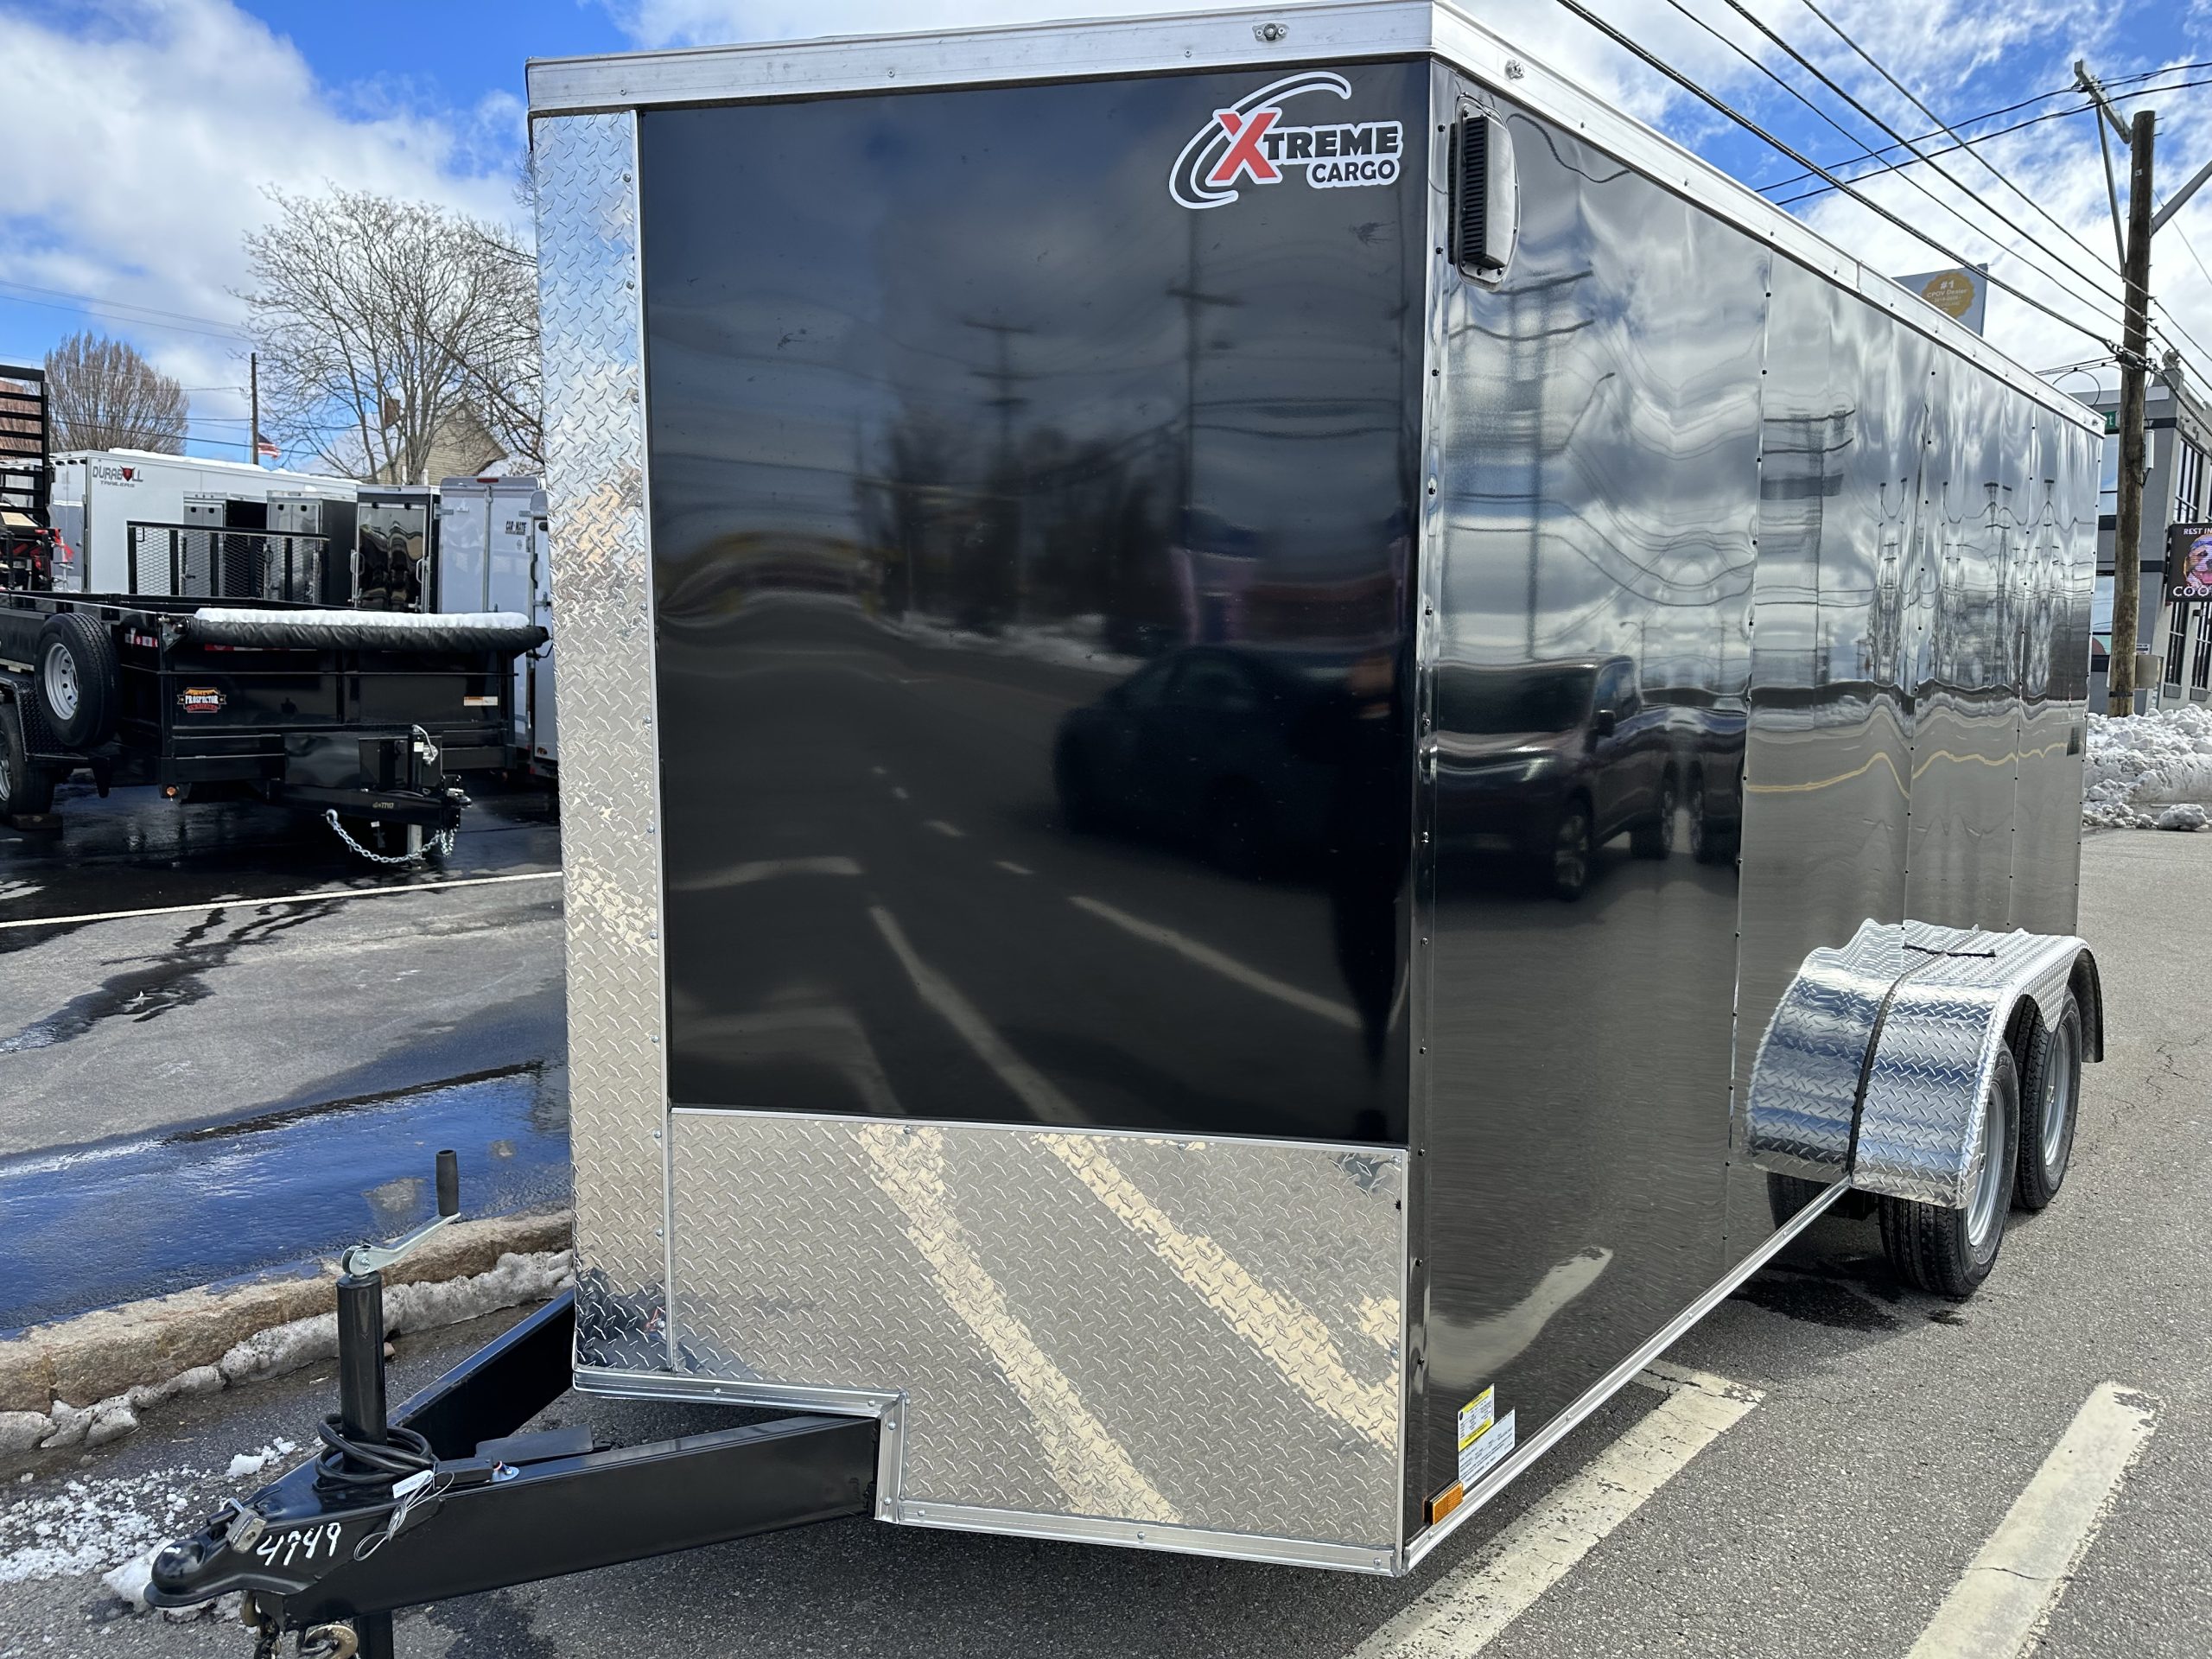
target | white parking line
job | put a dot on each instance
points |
(1013, 868)
(1029, 1085)
(237, 903)
(1999, 1605)
(951, 831)
(1476, 1602)
(767, 869)
(1227, 966)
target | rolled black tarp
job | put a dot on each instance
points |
(408, 630)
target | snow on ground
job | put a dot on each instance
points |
(2150, 772)
(84, 1526)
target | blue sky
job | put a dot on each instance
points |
(144, 134)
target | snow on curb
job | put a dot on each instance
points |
(2150, 772)
(124, 1360)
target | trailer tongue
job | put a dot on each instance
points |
(447, 1499)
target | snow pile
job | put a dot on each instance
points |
(2142, 763)
(518, 1279)
(83, 1525)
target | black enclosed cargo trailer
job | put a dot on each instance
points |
(1276, 740)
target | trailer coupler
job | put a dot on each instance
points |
(332, 1548)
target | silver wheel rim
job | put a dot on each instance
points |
(1987, 1211)
(7, 776)
(1670, 801)
(61, 681)
(1570, 858)
(2057, 1094)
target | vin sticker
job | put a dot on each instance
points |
(1486, 1451)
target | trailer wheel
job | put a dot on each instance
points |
(25, 787)
(77, 676)
(2050, 1093)
(1949, 1252)
(1656, 837)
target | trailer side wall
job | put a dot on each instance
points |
(1731, 563)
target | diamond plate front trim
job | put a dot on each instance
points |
(1198, 1334)
(584, 168)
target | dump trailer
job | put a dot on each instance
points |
(367, 719)
(1276, 740)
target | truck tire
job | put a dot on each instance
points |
(78, 688)
(2051, 1098)
(25, 787)
(1655, 838)
(1949, 1253)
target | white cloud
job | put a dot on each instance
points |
(142, 134)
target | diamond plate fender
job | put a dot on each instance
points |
(1877, 1061)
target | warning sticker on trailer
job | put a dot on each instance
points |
(1485, 1439)
(1477, 1415)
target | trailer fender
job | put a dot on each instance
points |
(1876, 1066)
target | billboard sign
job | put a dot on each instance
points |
(2189, 563)
(1960, 292)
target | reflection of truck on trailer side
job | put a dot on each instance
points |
(1042, 1184)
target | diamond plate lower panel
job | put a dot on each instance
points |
(595, 485)
(1203, 1334)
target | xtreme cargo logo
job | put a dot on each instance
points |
(1251, 143)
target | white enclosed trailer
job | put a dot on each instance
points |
(495, 554)
(99, 494)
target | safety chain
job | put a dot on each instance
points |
(441, 843)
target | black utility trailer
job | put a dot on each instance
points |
(369, 715)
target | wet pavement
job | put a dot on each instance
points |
(257, 1072)
(135, 850)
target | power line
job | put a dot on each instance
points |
(1987, 207)
(2100, 296)
(1990, 166)
(2007, 109)
(1723, 107)
(120, 310)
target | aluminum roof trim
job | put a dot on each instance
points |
(1259, 37)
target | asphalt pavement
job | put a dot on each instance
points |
(1880, 1438)
(228, 1043)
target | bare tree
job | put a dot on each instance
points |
(381, 323)
(101, 394)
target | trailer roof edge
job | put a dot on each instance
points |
(1334, 30)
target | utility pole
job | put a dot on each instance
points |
(253, 423)
(2141, 136)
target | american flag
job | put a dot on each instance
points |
(262, 447)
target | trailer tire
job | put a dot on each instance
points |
(78, 688)
(2051, 1100)
(25, 787)
(1947, 1252)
